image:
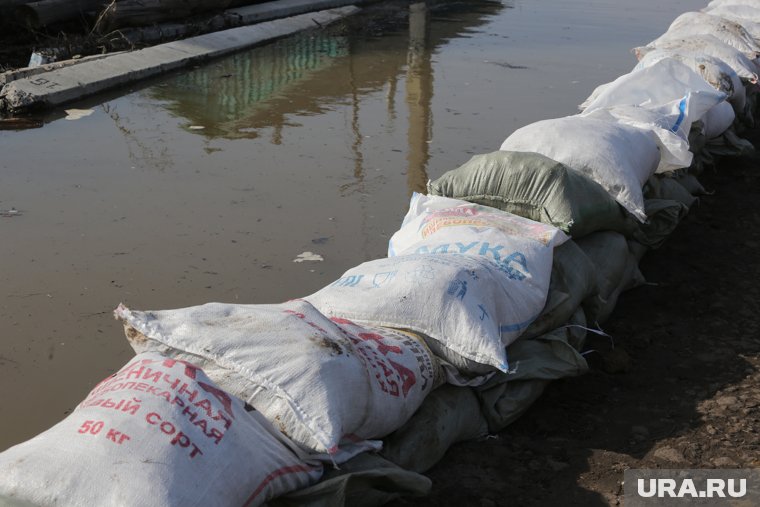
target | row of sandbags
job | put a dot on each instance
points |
(487, 293)
(618, 178)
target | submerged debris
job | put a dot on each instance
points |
(9, 213)
(19, 123)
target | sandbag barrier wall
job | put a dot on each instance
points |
(687, 102)
(608, 244)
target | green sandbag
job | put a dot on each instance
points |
(664, 216)
(573, 283)
(617, 270)
(367, 480)
(448, 415)
(504, 403)
(690, 183)
(664, 187)
(666, 202)
(535, 187)
(506, 396)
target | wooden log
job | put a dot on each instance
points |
(19, 123)
(48, 12)
(240, 3)
(6, 4)
(147, 12)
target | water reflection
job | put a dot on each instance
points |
(307, 74)
(419, 96)
(222, 95)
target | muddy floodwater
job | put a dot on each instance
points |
(207, 185)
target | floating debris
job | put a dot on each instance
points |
(76, 114)
(308, 256)
(196, 127)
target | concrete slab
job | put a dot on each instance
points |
(63, 85)
(12, 75)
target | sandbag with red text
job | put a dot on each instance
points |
(158, 432)
(329, 384)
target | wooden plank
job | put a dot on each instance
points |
(147, 12)
(47, 12)
(19, 123)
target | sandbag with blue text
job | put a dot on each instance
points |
(329, 384)
(468, 276)
(159, 432)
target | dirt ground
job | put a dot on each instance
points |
(681, 390)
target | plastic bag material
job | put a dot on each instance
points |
(367, 480)
(617, 270)
(718, 119)
(573, 282)
(716, 72)
(158, 432)
(702, 23)
(467, 303)
(618, 157)
(330, 385)
(710, 46)
(535, 187)
(449, 415)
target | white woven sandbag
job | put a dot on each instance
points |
(708, 45)
(618, 157)
(470, 277)
(717, 120)
(746, 14)
(329, 385)
(668, 86)
(702, 23)
(157, 433)
(721, 3)
(717, 73)
(672, 142)
(466, 303)
(436, 224)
